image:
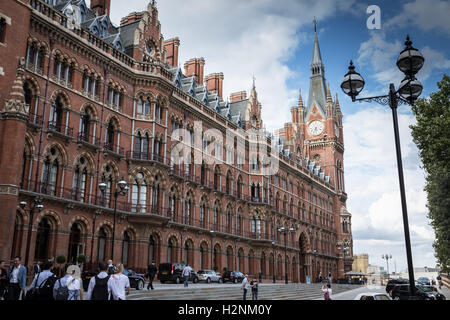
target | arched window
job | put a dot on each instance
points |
(216, 218)
(217, 178)
(140, 106)
(147, 107)
(85, 126)
(156, 193)
(101, 245)
(75, 244)
(80, 180)
(187, 211)
(203, 215)
(203, 174)
(152, 250)
(229, 221)
(50, 172)
(125, 248)
(56, 115)
(110, 135)
(172, 205)
(42, 240)
(171, 251)
(139, 194)
(107, 177)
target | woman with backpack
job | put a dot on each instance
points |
(119, 284)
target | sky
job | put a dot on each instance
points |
(273, 41)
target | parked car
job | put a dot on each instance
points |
(402, 292)
(137, 281)
(373, 296)
(173, 272)
(433, 290)
(391, 284)
(233, 276)
(209, 276)
(424, 281)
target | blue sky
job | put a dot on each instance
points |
(273, 41)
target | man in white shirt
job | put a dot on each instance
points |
(103, 274)
(17, 277)
(244, 286)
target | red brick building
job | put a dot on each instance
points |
(84, 102)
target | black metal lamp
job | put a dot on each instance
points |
(353, 82)
(410, 60)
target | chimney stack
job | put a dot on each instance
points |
(101, 7)
(238, 96)
(214, 83)
(195, 67)
(171, 47)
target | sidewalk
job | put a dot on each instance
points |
(445, 291)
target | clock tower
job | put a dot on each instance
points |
(323, 136)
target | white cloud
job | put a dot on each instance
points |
(428, 15)
(373, 188)
(242, 39)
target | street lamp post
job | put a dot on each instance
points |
(122, 191)
(273, 262)
(36, 204)
(387, 257)
(285, 231)
(410, 61)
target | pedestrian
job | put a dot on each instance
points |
(36, 268)
(320, 276)
(186, 272)
(3, 280)
(111, 268)
(69, 286)
(433, 282)
(17, 278)
(244, 286)
(254, 286)
(119, 284)
(327, 292)
(151, 271)
(330, 278)
(41, 287)
(98, 286)
(439, 280)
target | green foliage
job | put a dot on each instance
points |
(60, 259)
(432, 136)
(81, 258)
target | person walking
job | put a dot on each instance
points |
(98, 286)
(186, 272)
(330, 278)
(151, 271)
(3, 280)
(119, 284)
(254, 286)
(439, 280)
(327, 292)
(69, 286)
(44, 281)
(17, 278)
(245, 286)
(111, 268)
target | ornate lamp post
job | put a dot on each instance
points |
(285, 232)
(122, 191)
(387, 257)
(36, 204)
(410, 61)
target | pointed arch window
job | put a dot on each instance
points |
(80, 180)
(56, 115)
(216, 218)
(50, 176)
(187, 211)
(125, 248)
(101, 250)
(139, 194)
(203, 214)
(172, 205)
(156, 193)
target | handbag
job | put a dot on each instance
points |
(33, 293)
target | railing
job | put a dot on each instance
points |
(109, 147)
(146, 156)
(87, 138)
(36, 119)
(60, 128)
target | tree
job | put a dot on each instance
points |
(432, 136)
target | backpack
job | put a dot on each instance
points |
(100, 291)
(33, 293)
(327, 295)
(46, 288)
(62, 293)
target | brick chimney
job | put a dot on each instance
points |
(132, 17)
(171, 47)
(214, 83)
(101, 7)
(195, 67)
(238, 96)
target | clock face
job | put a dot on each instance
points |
(316, 127)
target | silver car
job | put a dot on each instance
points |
(209, 276)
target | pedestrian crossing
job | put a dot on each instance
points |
(294, 291)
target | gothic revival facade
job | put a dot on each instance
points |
(84, 103)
